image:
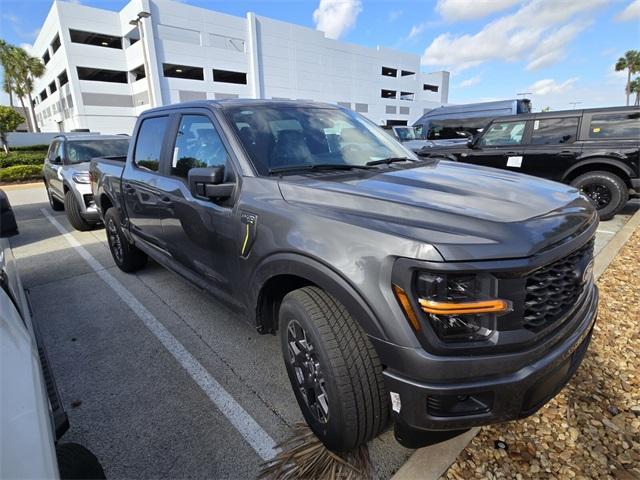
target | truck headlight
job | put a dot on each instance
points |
(460, 307)
(81, 178)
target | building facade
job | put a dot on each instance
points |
(104, 68)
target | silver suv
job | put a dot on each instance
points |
(66, 174)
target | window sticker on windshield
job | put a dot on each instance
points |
(536, 124)
(596, 129)
(514, 162)
(174, 161)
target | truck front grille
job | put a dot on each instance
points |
(552, 291)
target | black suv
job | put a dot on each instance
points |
(596, 151)
(446, 294)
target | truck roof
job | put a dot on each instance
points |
(90, 136)
(240, 102)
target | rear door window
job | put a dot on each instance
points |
(503, 133)
(149, 143)
(553, 131)
(615, 125)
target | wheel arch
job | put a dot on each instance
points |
(600, 164)
(285, 272)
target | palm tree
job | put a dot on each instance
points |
(634, 87)
(631, 63)
(7, 79)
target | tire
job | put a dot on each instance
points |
(127, 256)
(55, 204)
(76, 462)
(607, 191)
(340, 367)
(73, 213)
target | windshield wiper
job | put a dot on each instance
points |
(389, 160)
(317, 166)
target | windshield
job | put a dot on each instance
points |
(407, 133)
(84, 150)
(279, 137)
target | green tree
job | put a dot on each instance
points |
(20, 71)
(9, 121)
(634, 87)
(631, 63)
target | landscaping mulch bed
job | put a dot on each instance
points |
(592, 428)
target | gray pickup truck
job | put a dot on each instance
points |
(442, 294)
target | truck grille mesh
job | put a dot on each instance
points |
(553, 290)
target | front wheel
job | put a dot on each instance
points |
(73, 213)
(334, 370)
(127, 256)
(607, 191)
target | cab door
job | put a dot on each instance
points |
(202, 235)
(552, 147)
(142, 195)
(53, 168)
(500, 146)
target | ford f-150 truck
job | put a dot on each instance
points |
(442, 294)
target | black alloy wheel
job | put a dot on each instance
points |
(308, 371)
(599, 194)
(115, 242)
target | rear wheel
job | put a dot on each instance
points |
(55, 204)
(127, 256)
(73, 213)
(334, 370)
(607, 191)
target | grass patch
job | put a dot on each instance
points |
(20, 173)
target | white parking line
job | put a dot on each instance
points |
(253, 433)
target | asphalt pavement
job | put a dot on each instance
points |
(159, 380)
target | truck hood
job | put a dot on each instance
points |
(465, 211)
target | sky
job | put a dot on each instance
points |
(561, 53)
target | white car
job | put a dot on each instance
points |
(32, 417)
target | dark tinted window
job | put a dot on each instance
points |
(503, 133)
(101, 75)
(149, 143)
(84, 150)
(228, 76)
(552, 131)
(198, 145)
(615, 125)
(97, 39)
(459, 128)
(182, 71)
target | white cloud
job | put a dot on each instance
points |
(395, 15)
(457, 10)
(336, 17)
(631, 12)
(537, 32)
(550, 86)
(470, 82)
(417, 30)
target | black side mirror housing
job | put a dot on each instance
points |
(471, 142)
(208, 183)
(58, 160)
(8, 225)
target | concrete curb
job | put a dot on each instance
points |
(20, 186)
(430, 463)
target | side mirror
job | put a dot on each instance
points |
(58, 160)
(207, 183)
(8, 225)
(471, 141)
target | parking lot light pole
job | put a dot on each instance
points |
(137, 22)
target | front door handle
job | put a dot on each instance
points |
(128, 188)
(566, 153)
(165, 201)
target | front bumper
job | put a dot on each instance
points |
(477, 400)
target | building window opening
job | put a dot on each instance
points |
(138, 73)
(102, 75)
(97, 39)
(182, 71)
(46, 57)
(431, 88)
(43, 95)
(396, 123)
(133, 36)
(52, 87)
(389, 72)
(227, 76)
(406, 96)
(406, 73)
(388, 93)
(55, 45)
(63, 79)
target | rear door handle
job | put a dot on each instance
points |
(566, 153)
